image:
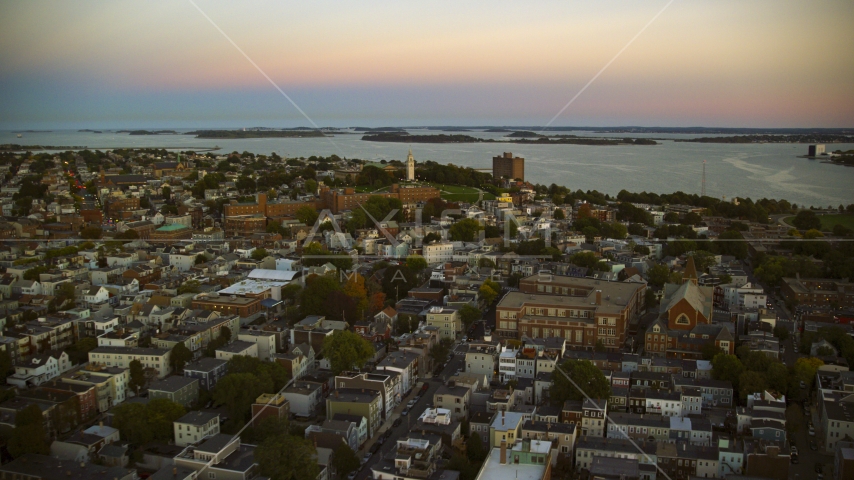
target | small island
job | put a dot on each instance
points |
(407, 138)
(524, 134)
(443, 138)
(793, 138)
(229, 134)
(148, 132)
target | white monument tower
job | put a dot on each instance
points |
(410, 167)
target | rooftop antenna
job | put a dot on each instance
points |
(703, 189)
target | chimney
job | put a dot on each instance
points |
(174, 471)
(503, 452)
(598, 297)
(101, 424)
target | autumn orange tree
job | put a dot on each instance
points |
(354, 288)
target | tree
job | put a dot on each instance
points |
(474, 449)
(751, 382)
(468, 315)
(191, 286)
(130, 419)
(315, 294)
(306, 215)
(259, 254)
(272, 372)
(727, 368)
(160, 414)
(180, 356)
(416, 263)
(584, 259)
(484, 262)
(805, 368)
(345, 350)
(439, 352)
(376, 303)
(778, 377)
(137, 376)
(600, 346)
(344, 460)
(200, 258)
(658, 275)
(806, 219)
(465, 230)
(590, 233)
(355, 289)
(237, 392)
(558, 214)
(29, 435)
(703, 260)
(299, 463)
(709, 350)
(459, 463)
(79, 352)
(585, 376)
(488, 291)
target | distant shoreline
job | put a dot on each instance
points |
(541, 140)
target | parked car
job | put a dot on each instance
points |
(397, 422)
(817, 467)
(424, 388)
(803, 385)
(367, 456)
(812, 431)
(388, 433)
(813, 445)
(405, 412)
(375, 448)
(352, 475)
(412, 402)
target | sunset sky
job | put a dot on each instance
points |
(735, 63)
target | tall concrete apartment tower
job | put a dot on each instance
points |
(508, 166)
(410, 167)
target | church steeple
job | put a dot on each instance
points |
(690, 271)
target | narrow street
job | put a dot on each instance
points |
(455, 362)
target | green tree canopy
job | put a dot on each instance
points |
(584, 375)
(259, 254)
(416, 263)
(307, 215)
(286, 457)
(806, 219)
(474, 449)
(237, 392)
(345, 350)
(465, 230)
(272, 372)
(29, 435)
(344, 460)
(137, 376)
(316, 293)
(468, 315)
(728, 368)
(658, 275)
(180, 356)
(439, 352)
